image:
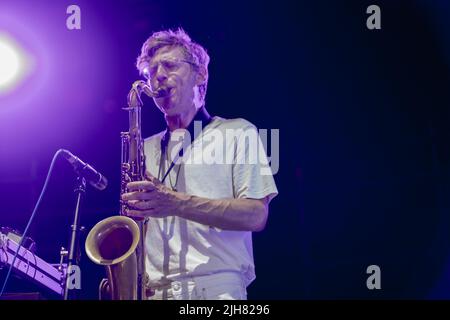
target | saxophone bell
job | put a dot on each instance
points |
(112, 243)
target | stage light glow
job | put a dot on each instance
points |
(9, 63)
(14, 63)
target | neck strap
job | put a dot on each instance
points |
(203, 116)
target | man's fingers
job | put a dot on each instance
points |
(136, 204)
(137, 195)
(141, 185)
(151, 178)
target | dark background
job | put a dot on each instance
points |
(363, 118)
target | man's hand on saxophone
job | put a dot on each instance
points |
(150, 198)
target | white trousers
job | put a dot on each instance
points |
(219, 286)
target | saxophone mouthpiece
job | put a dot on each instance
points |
(162, 92)
(158, 93)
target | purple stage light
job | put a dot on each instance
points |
(55, 86)
(15, 63)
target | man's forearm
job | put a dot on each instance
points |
(227, 214)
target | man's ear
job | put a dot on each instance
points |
(202, 75)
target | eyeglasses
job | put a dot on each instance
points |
(169, 66)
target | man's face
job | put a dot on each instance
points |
(169, 69)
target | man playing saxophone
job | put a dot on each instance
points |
(200, 214)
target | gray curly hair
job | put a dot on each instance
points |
(194, 52)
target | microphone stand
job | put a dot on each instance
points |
(73, 254)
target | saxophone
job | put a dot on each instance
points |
(117, 242)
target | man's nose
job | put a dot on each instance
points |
(161, 74)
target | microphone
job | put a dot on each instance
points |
(95, 178)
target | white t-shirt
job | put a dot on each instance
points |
(217, 165)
